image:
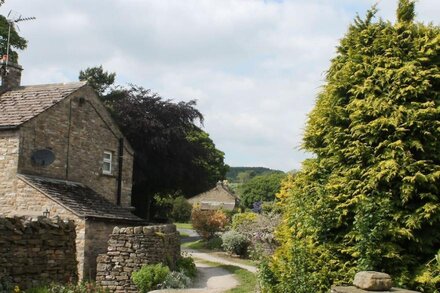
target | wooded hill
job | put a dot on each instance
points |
(249, 172)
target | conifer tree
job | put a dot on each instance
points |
(370, 199)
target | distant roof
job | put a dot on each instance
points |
(25, 102)
(80, 199)
(220, 193)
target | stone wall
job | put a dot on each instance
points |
(96, 242)
(9, 141)
(130, 248)
(78, 130)
(24, 200)
(37, 251)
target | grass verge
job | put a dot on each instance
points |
(247, 280)
(183, 225)
(199, 245)
(183, 235)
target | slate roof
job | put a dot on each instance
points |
(80, 199)
(25, 102)
(217, 197)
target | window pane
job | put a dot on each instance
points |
(107, 156)
(106, 167)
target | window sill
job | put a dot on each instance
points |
(108, 175)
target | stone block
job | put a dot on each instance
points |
(372, 281)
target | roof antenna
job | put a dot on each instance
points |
(12, 18)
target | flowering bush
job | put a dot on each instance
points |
(259, 232)
(234, 242)
(208, 222)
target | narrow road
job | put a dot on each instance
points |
(209, 279)
(212, 258)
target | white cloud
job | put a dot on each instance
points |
(255, 67)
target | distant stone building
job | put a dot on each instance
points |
(61, 154)
(220, 197)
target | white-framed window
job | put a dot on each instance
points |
(107, 163)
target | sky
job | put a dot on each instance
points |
(254, 67)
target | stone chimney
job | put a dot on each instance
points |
(10, 75)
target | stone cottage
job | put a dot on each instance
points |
(61, 154)
(218, 197)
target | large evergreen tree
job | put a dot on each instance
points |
(370, 199)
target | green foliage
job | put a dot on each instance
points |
(187, 266)
(244, 219)
(369, 199)
(260, 188)
(16, 42)
(176, 280)
(85, 287)
(181, 211)
(214, 243)
(97, 78)
(234, 242)
(244, 174)
(428, 278)
(171, 207)
(208, 222)
(259, 231)
(405, 10)
(6, 284)
(150, 276)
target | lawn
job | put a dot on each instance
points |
(183, 225)
(199, 245)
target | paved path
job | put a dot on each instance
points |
(212, 258)
(209, 279)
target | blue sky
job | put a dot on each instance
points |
(255, 67)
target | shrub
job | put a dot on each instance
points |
(187, 266)
(176, 280)
(260, 232)
(6, 284)
(369, 198)
(271, 207)
(85, 287)
(149, 276)
(181, 210)
(234, 242)
(208, 222)
(243, 219)
(214, 243)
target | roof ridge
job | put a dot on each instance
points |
(79, 83)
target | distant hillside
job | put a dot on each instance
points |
(240, 174)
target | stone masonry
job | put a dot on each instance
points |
(37, 251)
(78, 130)
(130, 248)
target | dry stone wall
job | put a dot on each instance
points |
(130, 248)
(37, 251)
